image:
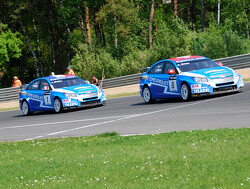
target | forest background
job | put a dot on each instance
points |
(115, 36)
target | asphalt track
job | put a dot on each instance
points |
(130, 115)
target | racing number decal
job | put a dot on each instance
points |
(47, 99)
(172, 83)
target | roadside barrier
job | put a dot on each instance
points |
(235, 62)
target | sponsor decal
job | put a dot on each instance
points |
(158, 81)
(211, 71)
(172, 78)
(35, 96)
(70, 104)
(189, 60)
(66, 100)
(196, 86)
(201, 90)
(87, 87)
(24, 93)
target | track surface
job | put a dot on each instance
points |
(130, 115)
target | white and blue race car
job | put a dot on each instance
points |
(59, 92)
(187, 77)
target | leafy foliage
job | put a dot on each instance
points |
(46, 36)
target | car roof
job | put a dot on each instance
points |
(56, 77)
(187, 58)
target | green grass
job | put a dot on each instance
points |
(191, 159)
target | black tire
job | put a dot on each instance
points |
(26, 108)
(58, 105)
(185, 92)
(147, 95)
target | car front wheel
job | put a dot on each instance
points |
(185, 92)
(147, 96)
(25, 108)
(58, 105)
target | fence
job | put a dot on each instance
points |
(235, 62)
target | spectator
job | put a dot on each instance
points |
(16, 82)
(71, 72)
(95, 81)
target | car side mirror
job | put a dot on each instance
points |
(172, 71)
(87, 81)
(219, 63)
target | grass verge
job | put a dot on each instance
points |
(123, 95)
(190, 159)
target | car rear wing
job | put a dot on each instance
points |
(143, 70)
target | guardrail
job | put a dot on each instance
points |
(235, 62)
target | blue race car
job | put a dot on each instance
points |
(187, 77)
(59, 92)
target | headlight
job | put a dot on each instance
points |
(235, 75)
(99, 90)
(201, 79)
(70, 95)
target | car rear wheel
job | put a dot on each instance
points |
(185, 92)
(147, 96)
(25, 108)
(58, 105)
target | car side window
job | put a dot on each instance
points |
(169, 66)
(44, 85)
(34, 85)
(157, 69)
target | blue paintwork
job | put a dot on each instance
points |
(169, 85)
(41, 100)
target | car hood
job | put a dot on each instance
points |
(214, 72)
(79, 89)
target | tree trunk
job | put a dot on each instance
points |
(218, 12)
(151, 15)
(188, 13)
(103, 35)
(175, 8)
(28, 42)
(97, 27)
(203, 16)
(245, 15)
(60, 67)
(194, 26)
(82, 26)
(87, 24)
(38, 47)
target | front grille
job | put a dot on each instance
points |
(88, 95)
(90, 98)
(221, 84)
(223, 80)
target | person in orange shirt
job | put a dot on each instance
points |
(16, 82)
(71, 72)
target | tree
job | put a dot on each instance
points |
(9, 45)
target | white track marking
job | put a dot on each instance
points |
(62, 122)
(131, 116)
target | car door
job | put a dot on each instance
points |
(46, 93)
(34, 95)
(172, 79)
(156, 80)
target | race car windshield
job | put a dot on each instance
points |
(61, 83)
(196, 65)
